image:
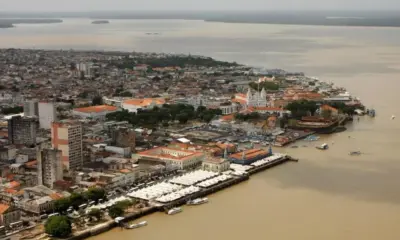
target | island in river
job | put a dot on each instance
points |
(101, 22)
(9, 22)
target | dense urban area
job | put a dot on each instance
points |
(91, 140)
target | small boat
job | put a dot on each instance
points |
(119, 219)
(371, 112)
(322, 147)
(393, 117)
(355, 153)
(174, 211)
(137, 225)
(197, 201)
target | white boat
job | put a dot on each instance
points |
(118, 219)
(323, 146)
(174, 210)
(197, 201)
(137, 225)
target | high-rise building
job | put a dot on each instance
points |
(31, 108)
(22, 130)
(67, 137)
(47, 114)
(50, 168)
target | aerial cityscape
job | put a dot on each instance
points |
(95, 139)
(198, 124)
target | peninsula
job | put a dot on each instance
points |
(144, 132)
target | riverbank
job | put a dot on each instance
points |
(103, 227)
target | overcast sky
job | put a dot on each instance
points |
(101, 5)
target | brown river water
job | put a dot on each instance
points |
(327, 194)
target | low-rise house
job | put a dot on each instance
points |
(9, 214)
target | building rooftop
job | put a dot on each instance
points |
(4, 208)
(251, 153)
(96, 109)
(171, 153)
(144, 101)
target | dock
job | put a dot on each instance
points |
(164, 207)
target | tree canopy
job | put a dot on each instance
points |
(168, 112)
(302, 108)
(98, 100)
(58, 226)
(94, 194)
(116, 211)
(96, 213)
(245, 117)
(173, 61)
(12, 110)
(77, 199)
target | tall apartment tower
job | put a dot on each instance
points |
(31, 108)
(67, 137)
(50, 168)
(22, 130)
(47, 114)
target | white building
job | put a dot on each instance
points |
(183, 159)
(50, 167)
(216, 165)
(229, 109)
(47, 114)
(94, 112)
(250, 99)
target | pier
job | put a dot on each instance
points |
(165, 207)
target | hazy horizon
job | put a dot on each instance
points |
(184, 5)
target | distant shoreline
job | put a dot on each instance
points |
(101, 22)
(10, 22)
(312, 18)
(325, 23)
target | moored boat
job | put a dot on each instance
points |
(174, 210)
(322, 147)
(197, 201)
(137, 225)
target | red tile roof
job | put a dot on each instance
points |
(3, 208)
(96, 109)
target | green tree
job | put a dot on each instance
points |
(98, 100)
(58, 226)
(12, 110)
(76, 200)
(183, 118)
(95, 213)
(62, 204)
(208, 117)
(116, 211)
(94, 194)
(124, 204)
(302, 108)
(266, 85)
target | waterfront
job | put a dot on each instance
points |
(328, 194)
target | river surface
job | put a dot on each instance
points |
(328, 194)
